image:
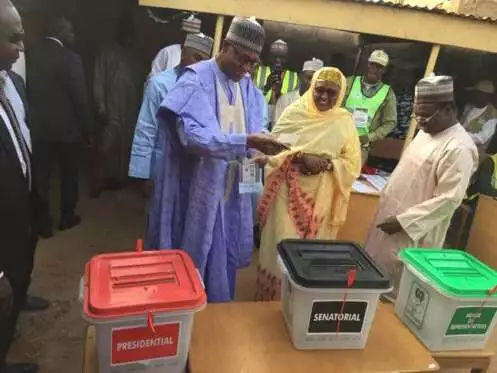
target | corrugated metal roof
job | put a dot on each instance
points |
(434, 9)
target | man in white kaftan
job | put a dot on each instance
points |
(429, 182)
(305, 78)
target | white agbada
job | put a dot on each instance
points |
(19, 67)
(285, 101)
(423, 192)
(167, 58)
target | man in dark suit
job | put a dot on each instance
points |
(60, 117)
(17, 196)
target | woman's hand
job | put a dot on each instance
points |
(314, 164)
(260, 158)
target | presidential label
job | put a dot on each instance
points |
(335, 316)
(360, 117)
(141, 344)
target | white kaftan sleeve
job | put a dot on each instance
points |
(453, 172)
(160, 62)
(485, 134)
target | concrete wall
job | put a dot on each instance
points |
(95, 22)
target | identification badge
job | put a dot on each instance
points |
(289, 139)
(360, 118)
(250, 177)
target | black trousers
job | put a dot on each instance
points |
(19, 275)
(66, 155)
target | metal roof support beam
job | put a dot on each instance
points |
(391, 21)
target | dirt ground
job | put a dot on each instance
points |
(54, 338)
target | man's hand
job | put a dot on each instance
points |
(265, 144)
(6, 301)
(364, 140)
(273, 82)
(390, 226)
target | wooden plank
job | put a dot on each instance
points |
(430, 68)
(483, 235)
(408, 24)
(252, 337)
(218, 35)
(90, 364)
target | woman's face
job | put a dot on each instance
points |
(325, 95)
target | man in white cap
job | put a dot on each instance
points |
(372, 103)
(170, 56)
(308, 70)
(211, 122)
(276, 80)
(480, 116)
(146, 150)
(429, 182)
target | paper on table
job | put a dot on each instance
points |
(361, 187)
(379, 182)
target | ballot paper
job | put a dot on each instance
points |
(250, 177)
(377, 181)
(361, 187)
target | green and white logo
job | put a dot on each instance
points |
(471, 321)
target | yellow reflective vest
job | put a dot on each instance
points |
(290, 81)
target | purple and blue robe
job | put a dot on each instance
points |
(189, 209)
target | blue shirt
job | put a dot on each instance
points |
(145, 144)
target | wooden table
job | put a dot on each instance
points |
(360, 215)
(278, 345)
(90, 364)
(252, 338)
(476, 361)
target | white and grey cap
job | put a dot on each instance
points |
(279, 44)
(313, 65)
(200, 42)
(246, 33)
(191, 25)
(435, 89)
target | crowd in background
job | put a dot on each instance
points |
(196, 133)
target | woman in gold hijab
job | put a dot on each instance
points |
(307, 188)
